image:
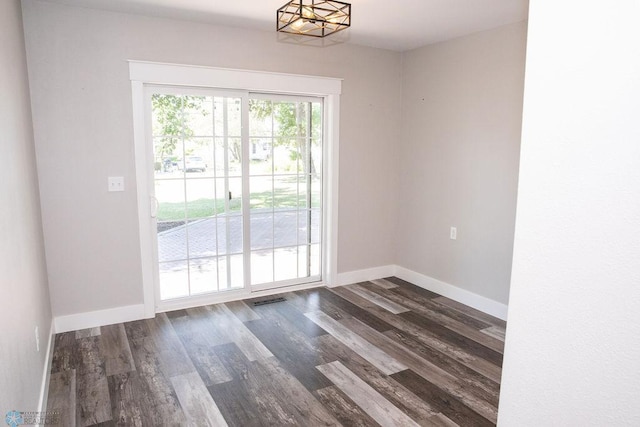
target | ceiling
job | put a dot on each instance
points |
(389, 24)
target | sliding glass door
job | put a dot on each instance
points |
(198, 191)
(285, 176)
(237, 190)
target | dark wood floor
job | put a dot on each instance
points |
(374, 353)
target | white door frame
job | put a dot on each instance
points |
(146, 73)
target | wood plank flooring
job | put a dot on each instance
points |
(380, 353)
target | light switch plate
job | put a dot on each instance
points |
(116, 183)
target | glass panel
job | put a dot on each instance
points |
(196, 150)
(237, 271)
(234, 117)
(315, 260)
(203, 274)
(303, 252)
(223, 278)
(316, 216)
(202, 238)
(198, 157)
(201, 201)
(291, 119)
(262, 231)
(303, 150)
(222, 235)
(219, 157)
(316, 191)
(260, 114)
(234, 146)
(219, 128)
(303, 191)
(174, 279)
(222, 196)
(316, 120)
(303, 227)
(171, 202)
(261, 196)
(283, 118)
(235, 195)
(228, 199)
(285, 192)
(306, 235)
(230, 234)
(316, 157)
(166, 115)
(286, 263)
(285, 157)
(167, 152)
(261, 267)
(235, 230)
(172, 241)
(285, 226)
(198, 116)
(260, 156)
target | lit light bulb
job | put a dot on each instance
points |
(297, 24)
(307, 12)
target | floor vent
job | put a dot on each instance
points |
(269, 301)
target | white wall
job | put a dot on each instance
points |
(83, 129)
(23, 276)
(572, 354)
(461, 123)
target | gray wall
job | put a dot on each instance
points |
(84, 133)
(461, 122)
(23, 277)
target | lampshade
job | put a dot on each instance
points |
(313, 18)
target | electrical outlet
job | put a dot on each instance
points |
(453, 235)
(116, 183)
(37, 339)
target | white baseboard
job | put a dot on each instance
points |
(365, 275)
(44, 388)
(455, 293)
(129, 313)
(92, 319)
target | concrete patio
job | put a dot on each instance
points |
(279, 245)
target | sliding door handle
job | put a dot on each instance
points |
(154, 206)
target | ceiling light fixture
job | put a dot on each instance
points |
(316, 18)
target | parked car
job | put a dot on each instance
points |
(169, 165)
(193, 164)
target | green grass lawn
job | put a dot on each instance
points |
(200, 208)
(203, 208)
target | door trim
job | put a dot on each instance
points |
(148, 73)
